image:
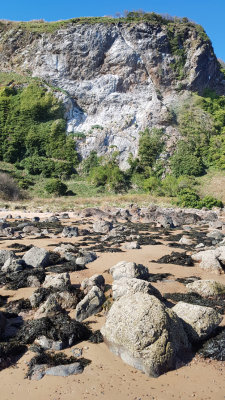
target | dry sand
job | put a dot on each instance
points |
(108, 377)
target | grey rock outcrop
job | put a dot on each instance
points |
(144, 333)
(102, 226)
(125, 269)
(91, 304)
(5, 255)
(123, 286)
(95, 280)
(57, 281)
(86, 257)
(210, 259)
(36, 257)
(199, 322)
(206, 288)
(65, 370)
(13, 265)
(70, 231)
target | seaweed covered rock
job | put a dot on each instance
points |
(85, 257)
(48, 308)
(96, 280)
(176, 258)
(145, 333)
(122, 286)
(91, 304)
(199, 322)
(21, 279)
(206, 288)
(70, 231)
(124, 269)
(67, 298)
(57, 281)
(36, 257)
(60, 328)
(13, 265)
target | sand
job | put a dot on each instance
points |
(108, 377)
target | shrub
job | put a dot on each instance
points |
(188, 198)
(56, 186)
(150, 146)
(151, 184)
(210, 202)
(185, 162)
(9, 189)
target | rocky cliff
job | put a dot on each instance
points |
(120, 77)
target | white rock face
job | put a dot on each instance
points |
(199, 322)
(118, 78)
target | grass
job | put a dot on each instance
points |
(213, 184)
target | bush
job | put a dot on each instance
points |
(56, 186)
(151, 184)
(9, 189)
(210, 202)
(185, 162)
(150, 147)
(188, 198)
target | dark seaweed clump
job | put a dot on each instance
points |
(3, 300)
(214, 348)
(16, 306)
(42, 294)
(20, 247)
(17, 280)
(218, 303)
(158, 277)
(10, 352)
(176, 258)
(188, 279)
(96, 337)
(61, 328)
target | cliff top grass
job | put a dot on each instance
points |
(41, 26)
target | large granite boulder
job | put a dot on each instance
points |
(57, 281)
(144, 333)
(36, 257)
(125, 269)
(199, 322)
(122, 286)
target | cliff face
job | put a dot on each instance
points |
(121, 78)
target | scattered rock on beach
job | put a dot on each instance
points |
(91, 304)
(36, 257)
(125, 269)
(206, 287)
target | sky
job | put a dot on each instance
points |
(208, 13)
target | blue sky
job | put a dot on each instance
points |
(209, 13)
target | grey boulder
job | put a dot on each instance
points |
(102, 226)
(57, 281)
(36, 257)
(70, 231)
(65, 370)
(95, 280)
(4, 255)
(199, 322)
(122, 286)
(144, 333)
(125, 269)
(206, 287)
(90, 305)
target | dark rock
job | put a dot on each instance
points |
(176, 258)
(70, 231)
(214, 348)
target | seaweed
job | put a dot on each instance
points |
(218, 303)
(96, 337)
(176, 258)
(17, 306)
(67, 266)
(214, 348)
(41, 294)
(17, 280)
(10, 352)
(61, 328)
(158, 277)
(188, 279)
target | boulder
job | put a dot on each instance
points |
(209, 260)
(48, 308)
(48, 344)
(4, 255)
(91, 304)
(65, 370)
(33, 281)
(164, 221)
(199, 322)
(13, 265)
(125, 269)
(96, 280)
(144, 333)
(216, 234)
(70, 231)
(122, 286)
(36, 257)
(131, 245)
(102, 226)
(30, 229)
(206, 287)
(86, 257)
(57, 281)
